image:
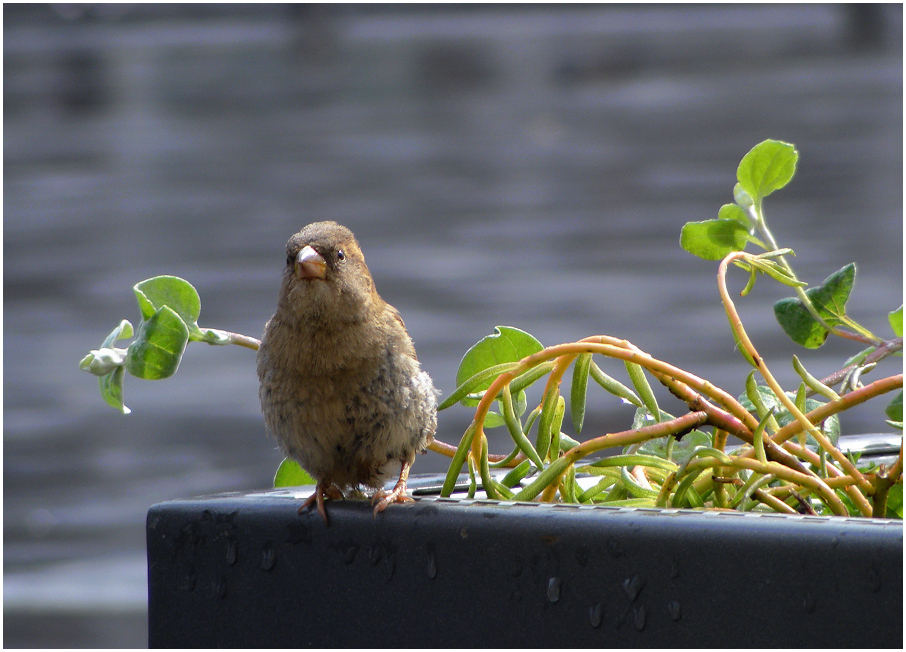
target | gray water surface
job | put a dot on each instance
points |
(529, 167)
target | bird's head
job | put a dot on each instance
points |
(326, 277)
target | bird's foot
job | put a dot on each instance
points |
(396, 495)
(325, 489)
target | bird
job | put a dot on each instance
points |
(340, 386)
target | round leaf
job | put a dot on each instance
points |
(505, 345)
(121, 332)
(112, 389)
(158, 346)
(176, 293)
(829, 300)
(894, 409)
(767, 167)
(714, 239)
(896, 321)
(830, 427)
(290, 474)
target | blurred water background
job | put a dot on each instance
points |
(524, 166)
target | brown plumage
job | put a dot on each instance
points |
(340, 386)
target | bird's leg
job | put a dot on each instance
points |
(397, 494)
(325, 488)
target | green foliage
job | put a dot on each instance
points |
(895, 319)
(665, 461)
(290, 474)
(894, 409)
(895, 502)
(714, 239)
(505, 345)
(789, 437)
(768, 166)
(182, 298)
(767, 402)
(828, 300)
(107, 363)
(158, 346)
(169, 307)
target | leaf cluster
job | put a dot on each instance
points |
(170, 307)
(789, 461)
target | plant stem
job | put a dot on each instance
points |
(244, 340)
(758, 361)
(886, 349)
(845, 402)
(862, 334)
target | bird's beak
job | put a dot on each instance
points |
(310, 264)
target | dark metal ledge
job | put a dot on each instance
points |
(246, 570)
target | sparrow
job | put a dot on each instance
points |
(341, 388)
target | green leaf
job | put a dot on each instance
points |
(681, 450)
(112, 389)
(481, 379)
(505, 345)
(154, 293)
(895, 502)
(121, 332)
(640, 381)
(767, 167)
(516, 475)
(579, 390)
(714, 239)
(614, 386)
(546, 421)
(493, 420)
(290, 474)
(515, 429)
(735, 213)
(894, 409)
(742, 198)
(896, 321)
(829, 300)
(830, 427)
(158, 347)
(105, 360)
(181, 297)
(643, 418)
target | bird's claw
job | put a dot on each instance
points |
(324, 489)
(396, 495)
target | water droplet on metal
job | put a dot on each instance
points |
(517, 567)
(596, 614)
(614, 548)
(638, 617)
(231, 552)
(553, 589)
(673, 608)
(220, 588)
(346, 551)
(268, 558)
(582, 556)
(808, 602)
(674, 568)
(632, 586)
(432, 561)
(874, 579)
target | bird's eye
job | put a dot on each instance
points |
(290, 259)
(341, 255)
